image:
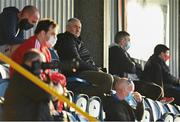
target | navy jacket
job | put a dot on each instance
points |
(9, 26)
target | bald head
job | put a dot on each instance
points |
(29, 9)
(31, 13)
(122, 83)
(73, 26)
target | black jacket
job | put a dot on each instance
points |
(157, 71)
(9, 26)
(69, 47)
(120, 61)
(120, 110)
(25, 101)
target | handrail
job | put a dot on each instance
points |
(43, 85)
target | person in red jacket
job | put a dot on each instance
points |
(45, 33)
(44, 38)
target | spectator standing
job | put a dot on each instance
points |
(12, 25)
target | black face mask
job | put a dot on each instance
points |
(25, 25)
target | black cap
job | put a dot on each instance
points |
(160, 48)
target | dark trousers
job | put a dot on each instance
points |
(95, 83)
(172, 91)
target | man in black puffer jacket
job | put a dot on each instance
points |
(69, 46)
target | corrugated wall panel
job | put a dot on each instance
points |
(58, 10)
(174, 36)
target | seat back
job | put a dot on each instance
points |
(156, 113)
(177, 108)
(177, 118)
(1, 108)
(166, 115)
(171, 109)
(161, 107)
(147, 107)
(146, 116)
(70, 96)
(95, 107)
(3, 86)
(4, 71)
(82, 101)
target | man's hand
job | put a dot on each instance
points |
(137, 96)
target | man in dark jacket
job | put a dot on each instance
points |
(120, 62)
(23, 99)
(119, 107)
(12, 25)
(69, 46)
(157, 71)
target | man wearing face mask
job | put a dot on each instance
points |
(120, 62)
(44, 38)
(13, 23)
(156, 70)
(124, 104)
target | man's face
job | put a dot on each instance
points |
(75, 28)
(125, 87)
(51, 33)
(28, 20)
(33, 19)
(126, 43)
(165, 56)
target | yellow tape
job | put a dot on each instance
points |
(43, 85)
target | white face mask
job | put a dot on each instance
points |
(52, 40)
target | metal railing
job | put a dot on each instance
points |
(43, 85)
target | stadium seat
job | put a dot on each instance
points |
(1, 107)
(177, 118)
(3, 86)
(148, 108)
(166, 115)
(4, 71)
(4, 78)
(70, 96)
(156, 113)
(146, 116)
(172, 109)
(70, 117)
(177, 107)
(95, 107)
(82, 102)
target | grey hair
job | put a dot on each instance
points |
(72, 20)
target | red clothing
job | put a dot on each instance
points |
(32, 42)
